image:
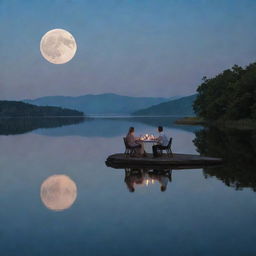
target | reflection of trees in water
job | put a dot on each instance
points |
(10, 126)
(145, 177)
(237, 148)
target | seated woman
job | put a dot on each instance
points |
(134, 142)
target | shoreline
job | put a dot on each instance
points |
(190, 121)
(242, 124)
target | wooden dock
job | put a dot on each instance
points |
(179, 161)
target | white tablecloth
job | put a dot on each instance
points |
(148, 145)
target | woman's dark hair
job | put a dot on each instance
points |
(160, 128)
(131, 129)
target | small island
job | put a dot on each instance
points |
(10, 109)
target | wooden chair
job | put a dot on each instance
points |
(129, 151)
(168, 148)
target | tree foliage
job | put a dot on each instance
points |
(230, 95)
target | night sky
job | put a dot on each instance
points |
(128, 47)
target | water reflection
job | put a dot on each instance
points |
(11, 126)
(88, 127)
(58, 192)
(135, 177)
(197, 216)
(115, 126)
(237, 148)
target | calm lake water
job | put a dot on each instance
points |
(58, 197)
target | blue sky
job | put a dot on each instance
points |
(129, 47)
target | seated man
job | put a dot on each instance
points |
(162, 141)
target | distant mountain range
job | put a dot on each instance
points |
(100, 104)
(181, 106)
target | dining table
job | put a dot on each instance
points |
(148, 143)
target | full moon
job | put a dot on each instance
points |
(58, 192)
(58, 46)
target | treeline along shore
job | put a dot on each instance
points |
(229, 99)
(21, 109)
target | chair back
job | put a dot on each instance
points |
(169, 143)
(125, 142)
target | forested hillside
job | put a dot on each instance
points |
(182, 106)
(21, 109)
(230, 95)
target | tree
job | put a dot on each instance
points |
(230, 95)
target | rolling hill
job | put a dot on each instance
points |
(21, 109)
(181, 106)
(99, 104)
